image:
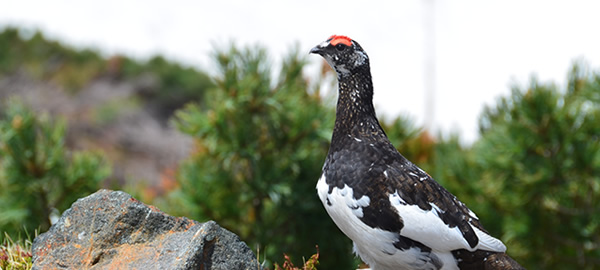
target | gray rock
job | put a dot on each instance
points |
(112, 230)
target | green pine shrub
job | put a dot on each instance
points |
(539, 163)
(260, 147)
(39, 178)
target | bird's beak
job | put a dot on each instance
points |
(317, 49)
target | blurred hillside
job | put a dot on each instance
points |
(117, 104)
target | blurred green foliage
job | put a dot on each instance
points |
(539, 169)
(170, 85)
(260, 148)
(38, 176)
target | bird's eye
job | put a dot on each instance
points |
(340, 47)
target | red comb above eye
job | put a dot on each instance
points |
(335, 40)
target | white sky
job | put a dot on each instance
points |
(481, 47)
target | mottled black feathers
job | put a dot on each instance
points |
(367, 162)
(416, 187)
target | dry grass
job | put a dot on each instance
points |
(15, 255)
(311, 264)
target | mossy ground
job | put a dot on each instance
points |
(15, 255)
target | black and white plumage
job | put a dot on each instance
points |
(397, 216)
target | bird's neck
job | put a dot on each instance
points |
(355, 103)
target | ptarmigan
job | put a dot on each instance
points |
(397, 216)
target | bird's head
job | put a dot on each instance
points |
(343, 54)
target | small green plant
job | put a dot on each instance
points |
(39, 178)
